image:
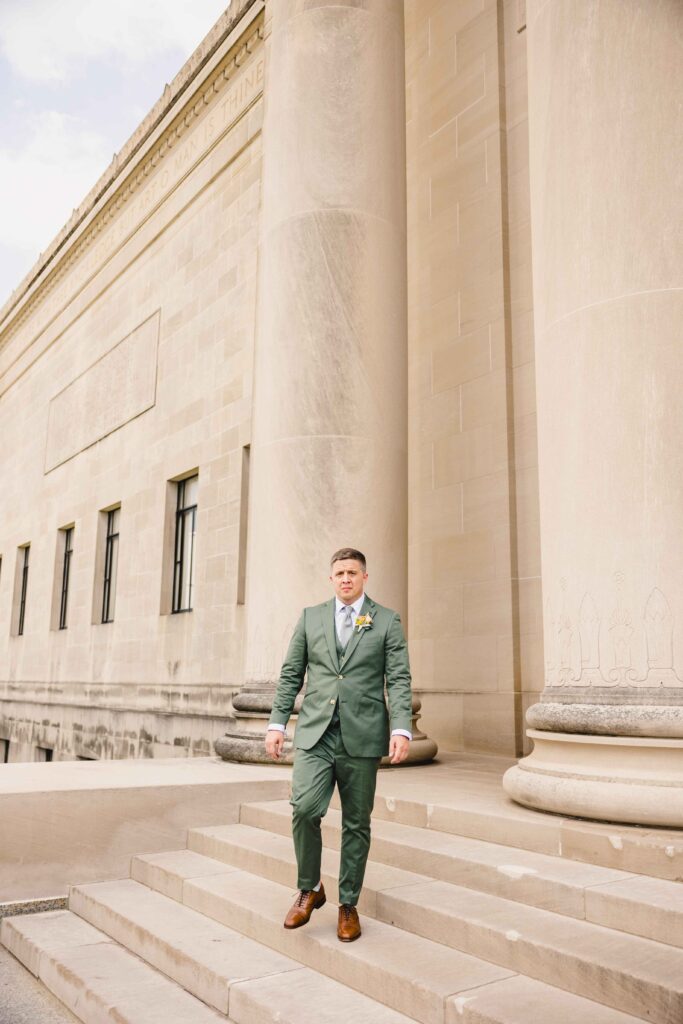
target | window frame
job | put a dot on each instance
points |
(24, 590)
(111, 551)
(183, 512)
(66, 574)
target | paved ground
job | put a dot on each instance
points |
(24, 1000)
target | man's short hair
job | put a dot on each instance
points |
(344, 553)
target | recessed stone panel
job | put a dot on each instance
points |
(118, 387)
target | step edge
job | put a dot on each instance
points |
(580, 889)
(55, 958)
(297, 965)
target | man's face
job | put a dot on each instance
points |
(348, 579)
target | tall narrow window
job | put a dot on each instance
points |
(66, 564)
(185, 528)
(24, 588)
(111, 560)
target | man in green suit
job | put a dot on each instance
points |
(347, 648)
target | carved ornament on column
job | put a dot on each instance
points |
(612, 646)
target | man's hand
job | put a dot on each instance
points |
(275, 741)
(398, 748)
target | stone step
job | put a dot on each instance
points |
(272, 856)
(247, 979)
(640, 905)
(629, 973)
(537, 879)
(647, 907)
(428, 981)
(96, 979)
(204, 957)
(383, 965)
(520, 1000)
(625, 966)
(480, 809)
(477, 815)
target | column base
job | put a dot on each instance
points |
(244, 743)
(630, 779)
(422, 749)
(244, 740)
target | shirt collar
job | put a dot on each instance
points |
(357, 605)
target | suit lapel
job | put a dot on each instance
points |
(368, 606)
(327, 615)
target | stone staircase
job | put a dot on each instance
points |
(457, 929)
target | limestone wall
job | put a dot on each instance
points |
(127, 365)
(474, 581)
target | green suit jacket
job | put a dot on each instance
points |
(373, 655)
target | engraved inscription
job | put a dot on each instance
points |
(115, 389)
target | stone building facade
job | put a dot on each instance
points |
(302, 309)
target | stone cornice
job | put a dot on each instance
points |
(215, 61)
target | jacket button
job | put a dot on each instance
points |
(333, 701)
(340, 677)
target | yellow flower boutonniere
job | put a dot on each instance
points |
(363, 622)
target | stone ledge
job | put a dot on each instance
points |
(70, 822)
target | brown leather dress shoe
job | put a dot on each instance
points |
(306, 902)
(348, 928)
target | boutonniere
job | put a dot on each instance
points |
(363, 622)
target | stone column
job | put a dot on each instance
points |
(329, 449)
(606, 155)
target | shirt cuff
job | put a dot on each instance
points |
(279, 728)
(402, 732)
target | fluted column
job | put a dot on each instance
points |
(605, 87)
(329, 459)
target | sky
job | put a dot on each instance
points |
(76, 78)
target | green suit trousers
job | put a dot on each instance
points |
(316, 771)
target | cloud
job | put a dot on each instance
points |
(56, 166)
(47, 41)
(104, 66)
